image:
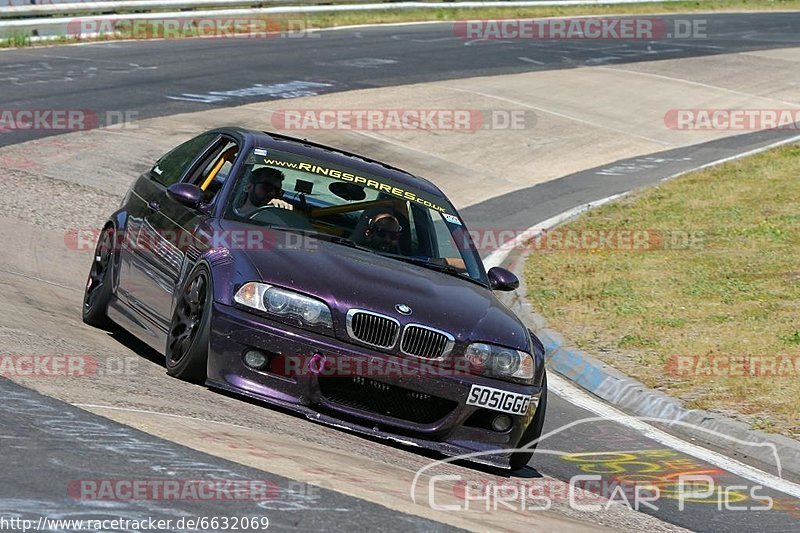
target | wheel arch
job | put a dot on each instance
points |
(228, 272)
(539, 358)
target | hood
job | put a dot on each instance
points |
(348, 278)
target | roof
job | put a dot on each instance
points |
(358, 162)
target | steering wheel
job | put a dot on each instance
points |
(260, 209)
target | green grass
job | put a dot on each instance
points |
(16, 40)
(385, 16)
(324, 20)
(735, 293)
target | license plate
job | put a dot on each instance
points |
(499, 400)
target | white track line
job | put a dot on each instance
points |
(42, 280)
(584, 400)
(698, 84)
(581, 399)
(90, 406)
(556, 114)
(497, 257)
(754, 151)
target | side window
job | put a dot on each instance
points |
(171, 167)
(212, 172)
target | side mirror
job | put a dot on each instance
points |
(501, 279)
(185, 194)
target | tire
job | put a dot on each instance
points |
(520, 459)
(100, 283)
(187, 340)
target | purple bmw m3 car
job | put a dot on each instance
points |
(326, 283)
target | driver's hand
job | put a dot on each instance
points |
(283, 204)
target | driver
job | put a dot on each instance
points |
(383, 233)
(264, 189)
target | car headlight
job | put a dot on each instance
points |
(284, 303)
(499, 361)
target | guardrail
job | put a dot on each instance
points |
(48, 25)
(122, 6)
(29, 2)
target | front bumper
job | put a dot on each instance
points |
(423, 408)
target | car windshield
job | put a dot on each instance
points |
(349, 207)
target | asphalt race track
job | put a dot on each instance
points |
(163, 78)
(76, 441)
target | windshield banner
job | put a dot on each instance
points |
(284, 160)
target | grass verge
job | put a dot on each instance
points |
(325, 20)
(16, 40)
(386, 16)
(705, 318)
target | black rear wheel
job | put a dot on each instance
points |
(187, 341)
(99, 285)
(521, 459)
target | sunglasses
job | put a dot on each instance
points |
(268, 186)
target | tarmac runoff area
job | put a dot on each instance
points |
(584, 118)
(574, 119)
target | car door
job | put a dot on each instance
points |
(147, 260)
(178, 244)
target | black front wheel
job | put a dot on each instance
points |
(187, 342)
(99, 285)
(533, 433)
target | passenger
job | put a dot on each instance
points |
(382, 233)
